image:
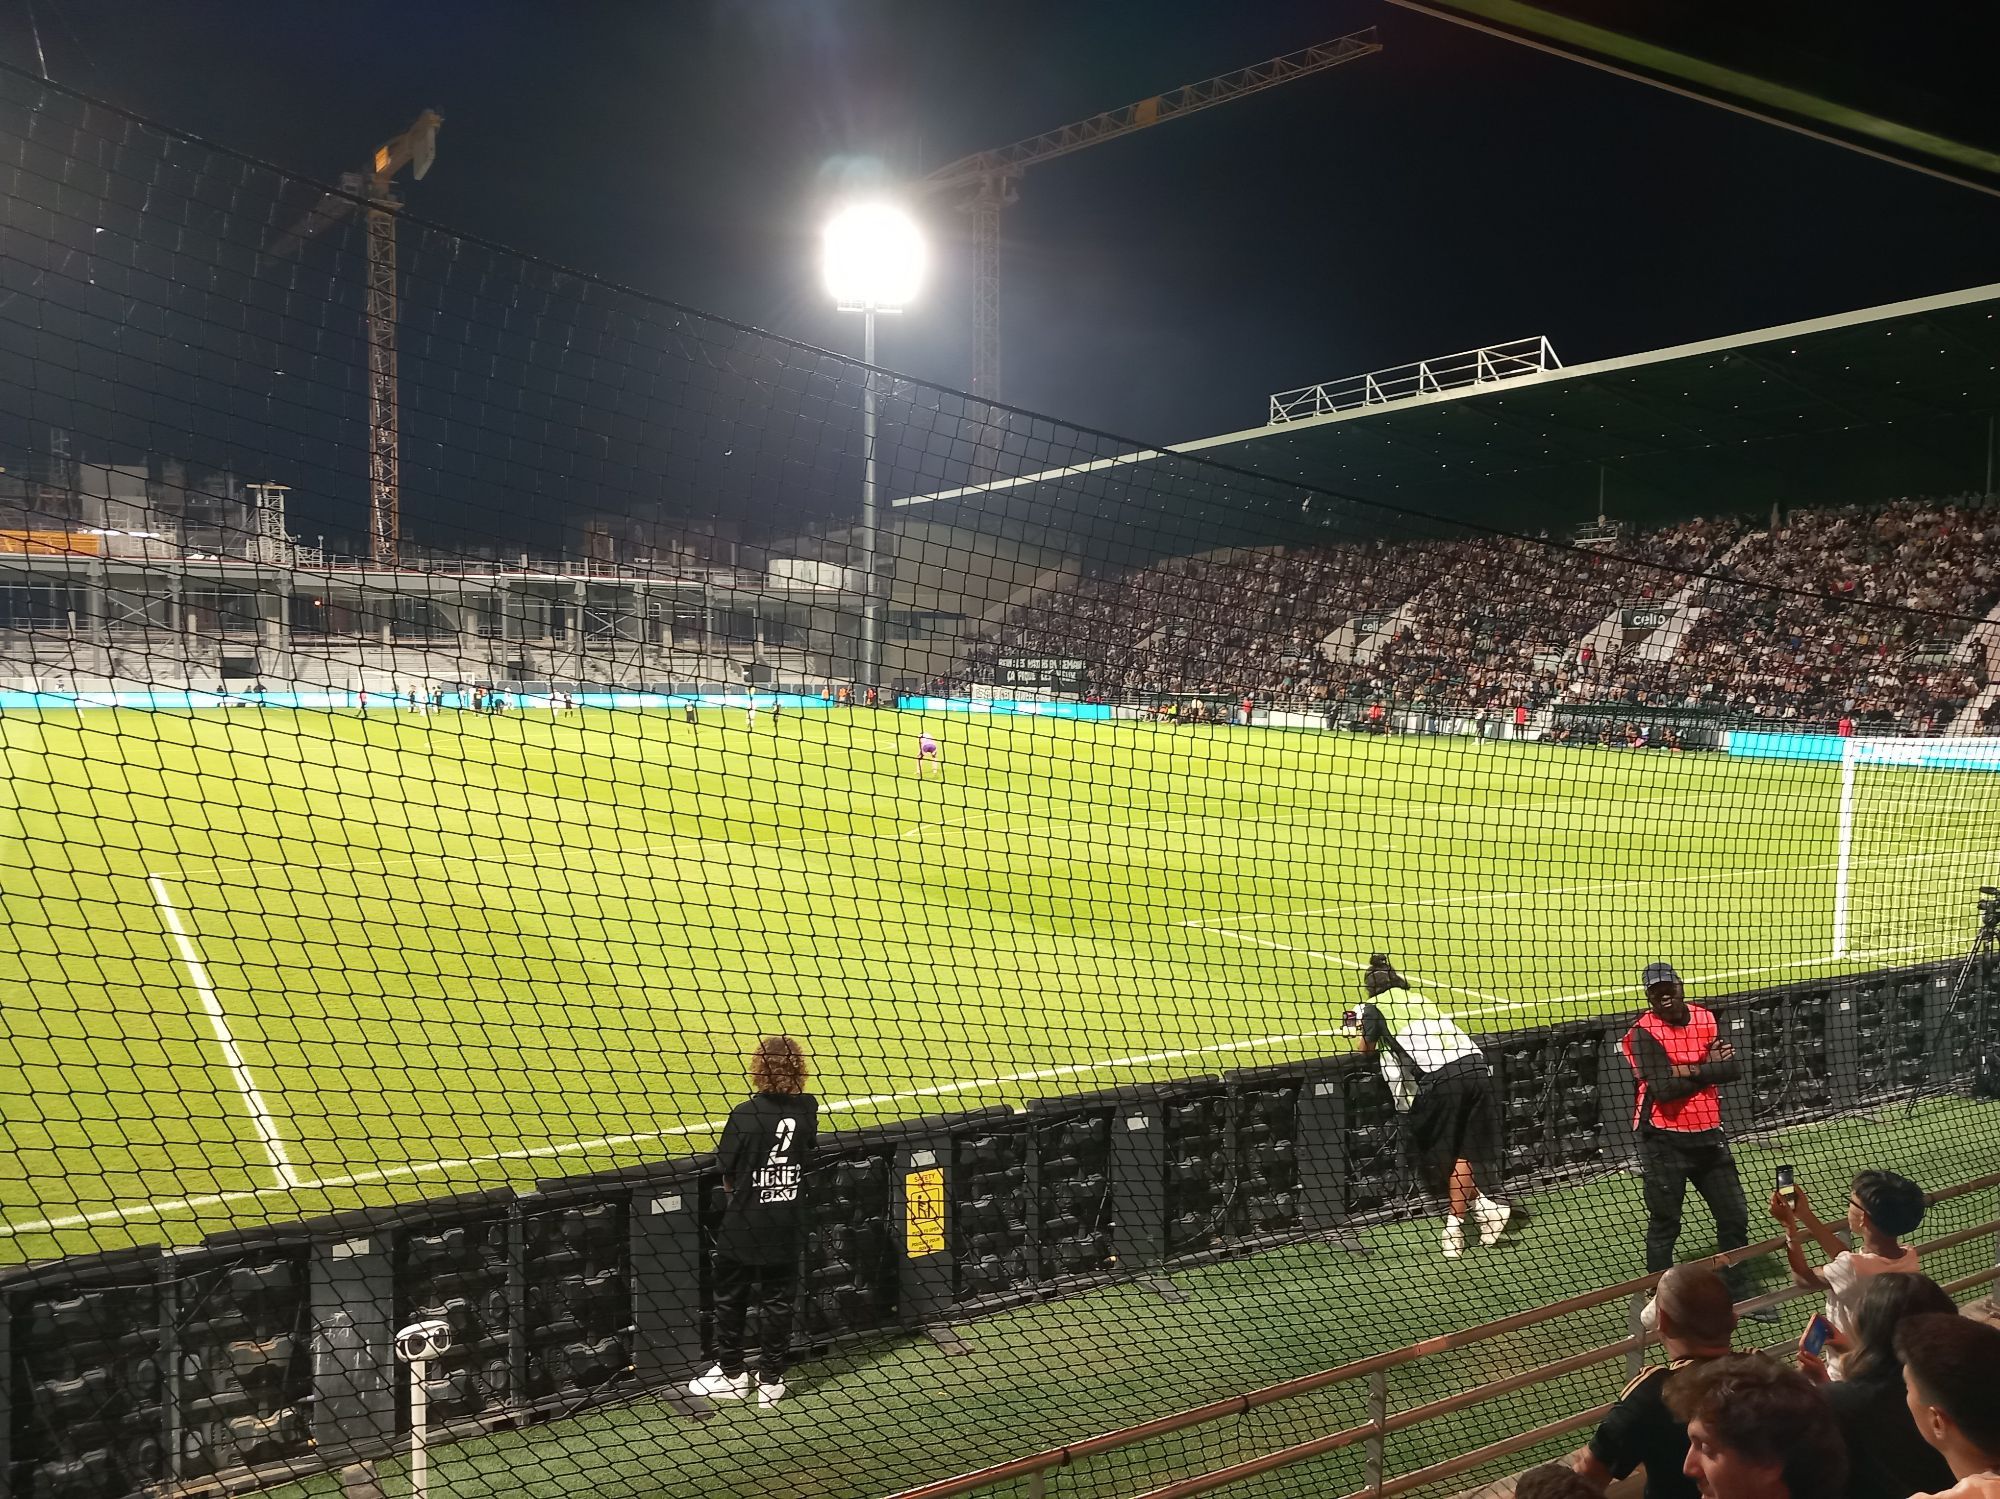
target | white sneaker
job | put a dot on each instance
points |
(1492, 1218)
(1454, 1240)
(715, 1385)
(770, 1394)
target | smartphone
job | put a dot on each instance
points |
(1786, 1183)
(1818, 1332)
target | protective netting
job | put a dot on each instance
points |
(395, 893)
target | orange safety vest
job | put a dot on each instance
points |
(1686, 1046)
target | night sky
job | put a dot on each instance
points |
(1453, 191)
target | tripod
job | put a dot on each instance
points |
(1985, 945)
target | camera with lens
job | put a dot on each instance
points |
(425, 1340)
(1989, 906)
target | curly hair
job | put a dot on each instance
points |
(778, 1065)
(1768, 1413)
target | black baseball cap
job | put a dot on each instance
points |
(1658, 973)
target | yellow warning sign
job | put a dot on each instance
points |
(923, 1213)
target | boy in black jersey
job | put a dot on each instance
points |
(764, 1152)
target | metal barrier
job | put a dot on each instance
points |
(1376, 1370)
(264, 1354)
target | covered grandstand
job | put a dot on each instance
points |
(1374, 561)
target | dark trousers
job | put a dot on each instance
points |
(1669, 1167)
(736, 1284)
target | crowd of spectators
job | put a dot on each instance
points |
(1857, 612)
(1914, 1412)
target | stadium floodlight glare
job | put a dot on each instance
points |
(873, 258)
(873, 261)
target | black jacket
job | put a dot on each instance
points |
(1886, 1457)
(765, 1150)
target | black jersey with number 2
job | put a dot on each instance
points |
(764, 1152)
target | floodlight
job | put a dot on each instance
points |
(873, 257)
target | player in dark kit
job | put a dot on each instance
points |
(764, 1152)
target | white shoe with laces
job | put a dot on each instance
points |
(1454, 1239)
(1492, 1218)
(770, 1393)
(715, 1385)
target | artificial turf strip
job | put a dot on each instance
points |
(890, 1412)
(462, 950)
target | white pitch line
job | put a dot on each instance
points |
(260, 1113)
(1496, 1002)
(1739, 973)
(1598, 887)
(160, 1207)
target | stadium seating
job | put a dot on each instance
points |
(1495, 623)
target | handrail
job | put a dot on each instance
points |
(1040, 1463)
(1304, 1451)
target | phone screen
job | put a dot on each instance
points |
(1784, 1178)
(1818, 1331)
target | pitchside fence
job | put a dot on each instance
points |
(334, 931)
(265, 1354)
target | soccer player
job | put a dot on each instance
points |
(750, 712)
(1439, 1084)
(927, 754)
(764, 1152)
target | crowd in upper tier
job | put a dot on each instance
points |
(1859, 612)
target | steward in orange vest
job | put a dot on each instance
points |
(1675, 1053)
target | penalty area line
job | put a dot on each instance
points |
(261, 1117)
(164, 1207)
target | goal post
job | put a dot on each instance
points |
(1919, 822)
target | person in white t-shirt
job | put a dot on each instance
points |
(1442, 1089)
(1881, 1208)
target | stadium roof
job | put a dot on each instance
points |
(1898, 399)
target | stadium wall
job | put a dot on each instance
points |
(265, 1353)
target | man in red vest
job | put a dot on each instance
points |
(1679, 1061)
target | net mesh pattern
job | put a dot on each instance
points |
(395, 894)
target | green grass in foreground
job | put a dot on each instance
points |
(466, 950)
(891, 1413)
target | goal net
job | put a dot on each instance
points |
(1918, 835)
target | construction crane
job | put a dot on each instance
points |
(990, 180)
(372, 193)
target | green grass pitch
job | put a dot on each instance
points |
(261, 963)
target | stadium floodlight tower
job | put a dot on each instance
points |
(873, 261)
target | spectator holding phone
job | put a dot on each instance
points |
(1888, 1457)
(1881, 1208)
(1951, 1369)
